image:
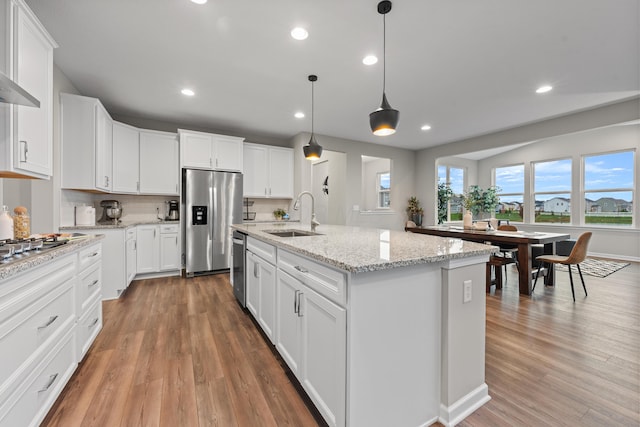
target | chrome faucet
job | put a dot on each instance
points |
(296, 206)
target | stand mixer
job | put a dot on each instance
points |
(111, 212)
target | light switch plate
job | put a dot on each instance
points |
(466, 293)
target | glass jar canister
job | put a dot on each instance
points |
(21, 223)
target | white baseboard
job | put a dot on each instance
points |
(614, 257)
(463, 407)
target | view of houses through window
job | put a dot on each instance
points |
(608, 188)
(509, 181)
(552, 191)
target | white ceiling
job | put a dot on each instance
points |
(466, 67)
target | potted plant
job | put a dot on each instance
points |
(414, 211)
(444, 195)
(279, 214)
(479, 202)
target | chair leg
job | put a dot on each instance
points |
(582, 278)
(571, 280)
(536, 280)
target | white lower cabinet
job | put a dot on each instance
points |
(131, 251)
(49, 317)
(261, 292)
(169, 247)
(311, 338)
(148, 253)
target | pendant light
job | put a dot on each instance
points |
(313, 150)
(384, 120)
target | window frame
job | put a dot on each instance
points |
(448, 168)
(570, 191)
(522, 195)
(380, 191)
(584, 190)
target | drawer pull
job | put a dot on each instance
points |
(92, 255)
(94, 322)
(49, 322)
(95, 282)
(52, 379)
(300, 314)
(295, 301)
(301, 269)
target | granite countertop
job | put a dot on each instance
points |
(35, 258)
(359, 249)
(122, 224)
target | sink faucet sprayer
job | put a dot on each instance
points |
(296, 206)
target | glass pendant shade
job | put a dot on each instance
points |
(384, 120)
(313, 150)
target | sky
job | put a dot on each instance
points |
(553, 178)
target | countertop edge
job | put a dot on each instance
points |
(23, 265)
(370, 267)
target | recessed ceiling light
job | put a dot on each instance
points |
(199, 1)
(299, 33)
(369, 60)
(187, 92)
(425, 127)
(544, 89)
(299, 115)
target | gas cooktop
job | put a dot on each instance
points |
(16, 249)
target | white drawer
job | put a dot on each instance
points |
(31, 401)
(262, 249)
(169, 228)
(18, 292)
(89, 325)
(326, 281)
(89, 285)
(89, 256)
(30, 331)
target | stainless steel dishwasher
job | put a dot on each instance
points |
(239, 245)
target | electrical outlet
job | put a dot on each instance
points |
(356, 208)
(466, 291)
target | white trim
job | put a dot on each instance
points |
(463, 407)
(463, 262)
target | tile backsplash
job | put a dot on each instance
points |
(134, 207)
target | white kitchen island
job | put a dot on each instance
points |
(374, 323)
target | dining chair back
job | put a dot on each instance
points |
(507, 249)
(577, 255)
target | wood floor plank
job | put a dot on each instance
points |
(182, 352)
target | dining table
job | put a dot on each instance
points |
(522, 239)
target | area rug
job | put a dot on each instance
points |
(595, 267)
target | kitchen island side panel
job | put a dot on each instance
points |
(393, 351)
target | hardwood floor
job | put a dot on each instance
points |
(178, 352)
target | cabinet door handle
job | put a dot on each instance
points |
(176, 240)
(301, 269)
(95, 282)
(94, 322)
(49, 322)
(52, 379)
(295, 301)
(154, 233)
(26, 150)
(210, 162)
(300, 314)
(256, 271)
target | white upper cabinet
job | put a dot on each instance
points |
(26, 142)
(268, 171)
(159, 165)
(126, 159)
(210, 151)
(86, 144)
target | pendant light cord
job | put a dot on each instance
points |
(384, 52)
(312, 108)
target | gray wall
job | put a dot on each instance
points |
(402, 178)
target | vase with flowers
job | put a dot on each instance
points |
(481, 203)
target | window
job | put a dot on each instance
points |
(455, 178)
(552, 191)
(608, 189)
(509, 181)
(384, 189)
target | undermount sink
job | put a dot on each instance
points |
(292, 233)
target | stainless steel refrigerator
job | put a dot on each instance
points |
(212, 202)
